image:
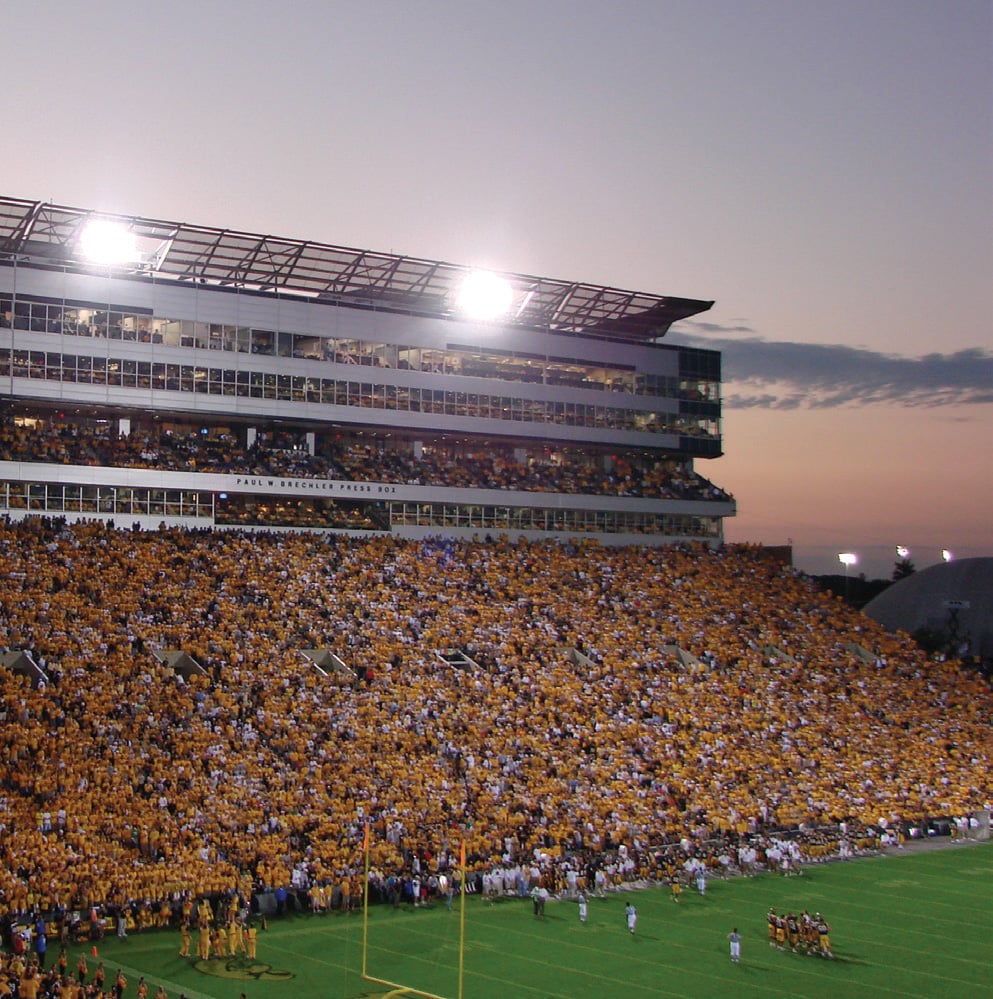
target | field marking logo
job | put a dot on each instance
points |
(241, 969)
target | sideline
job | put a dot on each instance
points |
(134, 974)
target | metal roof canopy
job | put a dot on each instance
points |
(46, 234)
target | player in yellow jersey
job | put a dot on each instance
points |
(823, 937)
(251, 940)
(236, 938)
(220, 940)
(781, 932)
(203, 942)
(793, 931)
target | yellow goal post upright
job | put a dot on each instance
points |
(365, 926)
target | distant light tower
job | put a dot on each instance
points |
(847, 559)
(946, 555)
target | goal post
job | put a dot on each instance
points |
(411, 989)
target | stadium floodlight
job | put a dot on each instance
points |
(946, 555)
(903, 551)
(106, 242)
(847, 559)
(484, 295)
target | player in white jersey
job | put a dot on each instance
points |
(735, 939)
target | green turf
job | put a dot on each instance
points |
(901, 925)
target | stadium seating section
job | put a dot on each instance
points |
(521, 697)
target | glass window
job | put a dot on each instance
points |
(307, 347)
(215, 337)
(36, 496)
(263, 342)
(39, 317)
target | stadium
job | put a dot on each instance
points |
(269, 364)
(322, 579)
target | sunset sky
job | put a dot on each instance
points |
(824, 171)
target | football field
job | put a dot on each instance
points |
(912, 923)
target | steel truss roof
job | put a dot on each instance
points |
(45, 234)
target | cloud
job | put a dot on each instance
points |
(787, 375)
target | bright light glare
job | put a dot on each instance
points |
(105, 242)
(902, 550)
(946, 555)
(484, 295)
(848, 559)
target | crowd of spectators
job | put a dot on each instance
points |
(347, 460)
(568, 727)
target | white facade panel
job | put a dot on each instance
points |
(172, 300)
